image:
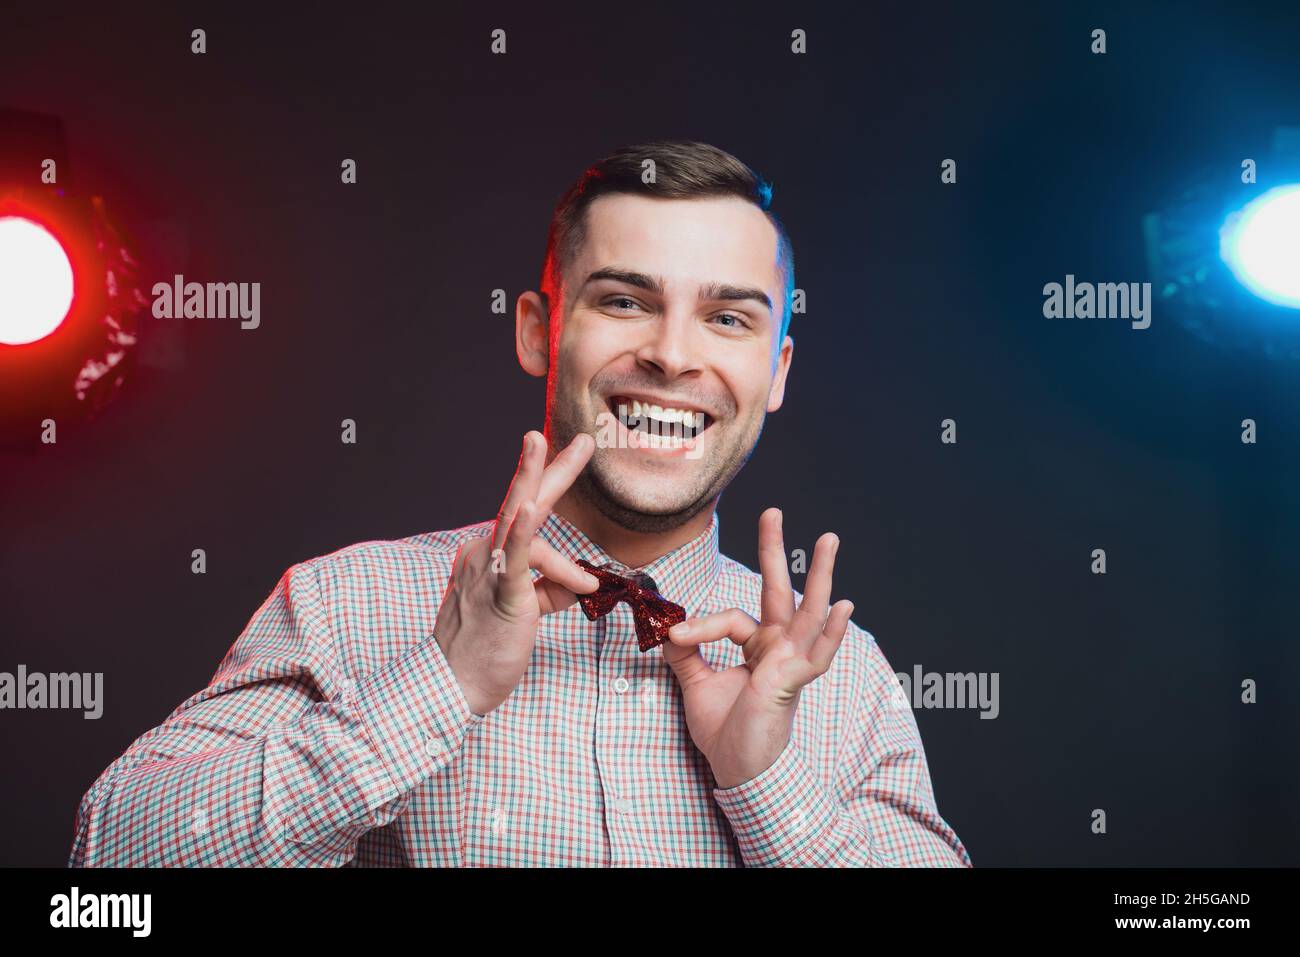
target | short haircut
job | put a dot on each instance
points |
(684, 169)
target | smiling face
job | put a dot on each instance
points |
(672, 309)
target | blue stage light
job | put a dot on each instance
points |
(1260, 243)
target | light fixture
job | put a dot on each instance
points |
(36, 282)
(1261, 245)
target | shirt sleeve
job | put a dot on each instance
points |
(282, 759)
(880, 813)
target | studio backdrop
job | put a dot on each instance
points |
(1053, 418)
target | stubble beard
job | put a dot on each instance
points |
(595, 487)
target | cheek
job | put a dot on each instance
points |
(585, 349)
(573, 358)
(750, 384)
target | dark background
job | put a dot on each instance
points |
(1119, 692)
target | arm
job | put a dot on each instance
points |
(872, 803)
(881, 813)
(281, 760)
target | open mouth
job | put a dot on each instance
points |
(667, 421)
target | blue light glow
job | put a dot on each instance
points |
(1261, 245)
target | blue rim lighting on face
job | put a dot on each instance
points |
(1260, 243)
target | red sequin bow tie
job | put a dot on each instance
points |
(654, 613)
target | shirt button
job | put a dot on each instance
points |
(432, 748)
(620, 684)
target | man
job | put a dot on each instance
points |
(477, 697)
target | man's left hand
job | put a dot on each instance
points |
(741, 718)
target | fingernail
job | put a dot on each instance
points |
(592, 581)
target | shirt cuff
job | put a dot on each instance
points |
(781, 816)
(415, 714)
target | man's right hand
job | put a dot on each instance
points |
(487, 622)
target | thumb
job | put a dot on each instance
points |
(687, 663)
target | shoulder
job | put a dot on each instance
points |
(402, 558)
(379, 597)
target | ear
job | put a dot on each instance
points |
(532, 332)
(776, 395)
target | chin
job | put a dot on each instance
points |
(645, 496)
(637, 503)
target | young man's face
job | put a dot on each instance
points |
(700, 339)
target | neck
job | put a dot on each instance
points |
(633, 549)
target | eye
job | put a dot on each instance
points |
(737, 322)
(617, 300)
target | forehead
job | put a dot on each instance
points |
(691, 241)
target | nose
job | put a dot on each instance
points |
(670, 347)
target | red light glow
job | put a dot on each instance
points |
(36, 284)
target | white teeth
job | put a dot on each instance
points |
(687, 418)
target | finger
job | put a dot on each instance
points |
(732, 623)
(829, 641)
(523, 486)
(514, 578)
(560, 570)
(552, 597)
(559, 475)
(687, 663)
(778, 598)
(817, 595)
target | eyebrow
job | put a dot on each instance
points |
(710, 292)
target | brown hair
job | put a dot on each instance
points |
(684, 169)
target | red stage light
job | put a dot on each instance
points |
(36, 283)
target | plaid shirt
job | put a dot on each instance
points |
(334, 733)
